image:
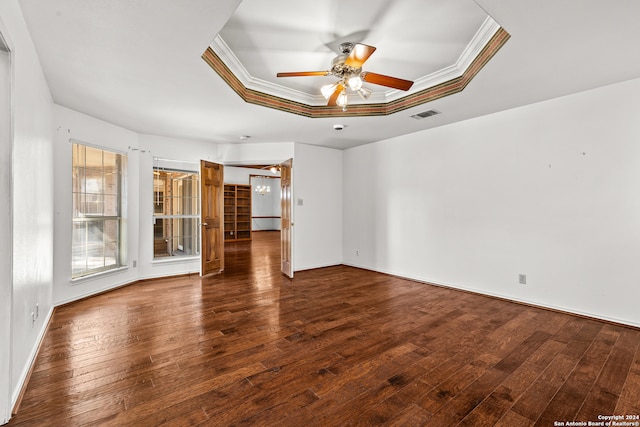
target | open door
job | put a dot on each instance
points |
(211, 214)
(286, 205)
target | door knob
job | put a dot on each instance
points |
(204, 224)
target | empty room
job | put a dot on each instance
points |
(286, 213)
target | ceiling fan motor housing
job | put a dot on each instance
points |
(340, 70)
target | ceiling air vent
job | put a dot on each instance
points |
(424, 114)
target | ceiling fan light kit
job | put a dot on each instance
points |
(347, 67)
(355, 83)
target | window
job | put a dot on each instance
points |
(97, 210)
(176, 202)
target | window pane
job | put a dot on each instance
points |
(78, 252)
(176, 237)
(111, 254)
(111, 180)
(93, 157)
(93, 204)
(95, 245)
(94, 180)
(87, 246)
(110, 160)
(111, 205)
(111, 230)
(160, 248)
(158, 227)
(78, 204)
(78, 180)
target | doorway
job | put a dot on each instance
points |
(264, 184)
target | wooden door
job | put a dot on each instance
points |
(286, 205)
(211, 214)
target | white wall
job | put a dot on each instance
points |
(241, 175)
(550, 190)
(255, 153)
(317, 200)
(30, 191)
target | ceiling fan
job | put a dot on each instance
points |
(347, 67)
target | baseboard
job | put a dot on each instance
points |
(316, 267)
(18, 393)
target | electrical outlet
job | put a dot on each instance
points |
(37, 310)
(135, 263)
(357, 252)
(33, 319)
(522, 278)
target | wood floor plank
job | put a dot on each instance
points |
(571, 395)
(603, 397)
(532, 404)
(335, 346)
(497, 405)
(413, 415)
(511, 419)
(467, 400)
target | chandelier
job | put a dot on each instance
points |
(263, 189)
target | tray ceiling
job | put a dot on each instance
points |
(440, 51)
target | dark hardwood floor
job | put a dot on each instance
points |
(335, 346)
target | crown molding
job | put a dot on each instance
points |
(481, 38)
(224, 52)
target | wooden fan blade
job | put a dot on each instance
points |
(334, 96)
(303, 74)
(382, 80)
(359, 54)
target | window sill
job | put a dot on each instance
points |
(174, 260)
(98, 275)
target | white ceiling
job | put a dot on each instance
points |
(137, 64)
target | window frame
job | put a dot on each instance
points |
(194, 216)
(113, 245)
